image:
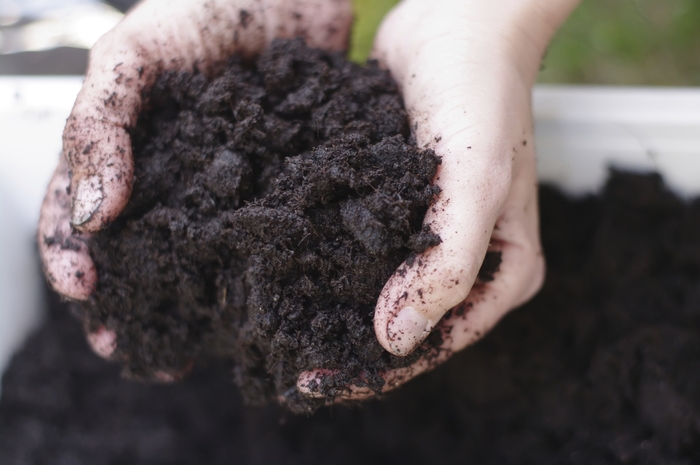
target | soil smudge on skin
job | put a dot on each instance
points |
(490, 266)
(270, 206)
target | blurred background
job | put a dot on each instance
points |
(614, 42)
(52, 36)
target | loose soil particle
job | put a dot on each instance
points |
(602, 367)
(270, 207)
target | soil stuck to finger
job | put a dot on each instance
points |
(270, 206)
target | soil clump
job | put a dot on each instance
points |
(602, 366)
(270, 206)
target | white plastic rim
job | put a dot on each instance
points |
(580, 132)
(33, 112)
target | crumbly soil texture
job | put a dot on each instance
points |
(601, 367)
(270, 206)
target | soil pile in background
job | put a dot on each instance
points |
(270, 207)
(603, 367)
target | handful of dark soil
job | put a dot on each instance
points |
(270, 207)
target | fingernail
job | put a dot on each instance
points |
(88, 198)
(406, 330)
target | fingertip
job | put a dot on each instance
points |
(406, 330)
(71, 273)
(309, 383)
(65, 257)
(416, 298)
(172, 376)
(103, 342)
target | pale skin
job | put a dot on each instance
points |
(465, 68)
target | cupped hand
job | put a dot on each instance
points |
(93, 181)
(466, 70)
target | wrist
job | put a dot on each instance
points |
(524, 29)
(510, 33)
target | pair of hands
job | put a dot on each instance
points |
(465, 68)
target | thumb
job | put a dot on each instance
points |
(423, 289)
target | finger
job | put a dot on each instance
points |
(168, 377)
(103, 342)
(64, 254)
(312, 383)
(156, 36)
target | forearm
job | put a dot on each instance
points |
(455, 56)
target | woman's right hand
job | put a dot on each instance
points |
(94, 178)
(466, 70)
